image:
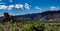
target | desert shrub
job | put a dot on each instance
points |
(30, 26)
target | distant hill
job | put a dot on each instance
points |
(47, 16)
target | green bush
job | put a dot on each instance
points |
(30, 26)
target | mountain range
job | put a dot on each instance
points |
(47, 16)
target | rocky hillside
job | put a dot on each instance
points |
(47, 16)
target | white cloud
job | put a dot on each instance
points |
(27, 6)
(54, 8)
(16, 6)
(3, 7)
(10, 7)
(38, 8)
(19, 6)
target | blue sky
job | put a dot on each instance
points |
(21, 7)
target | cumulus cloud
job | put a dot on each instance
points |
(54, 8)
(3, 7)
(27, 6)
(38, 8)
(19, 6)
(10, 7)
(16, 6)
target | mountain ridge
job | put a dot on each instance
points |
(46, 16)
